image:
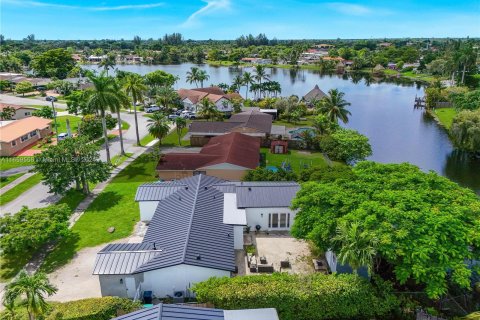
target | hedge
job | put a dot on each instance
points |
(87, 309)
(309, 297)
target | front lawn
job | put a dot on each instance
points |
(6, 180)
(306, 122)
(119, 159)
(16, 191)
(445, 115)
(115, 207)
(62, 123)
(297, 159)
(172, 139)
(15, 162)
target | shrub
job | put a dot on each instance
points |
(315, 296)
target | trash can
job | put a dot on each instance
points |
(147, 297)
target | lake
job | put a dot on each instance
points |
(381, 109)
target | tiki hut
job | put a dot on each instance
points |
(314, 95)
(379, 69)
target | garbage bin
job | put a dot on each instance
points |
(147, 297)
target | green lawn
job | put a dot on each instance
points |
(100, 142)
(445, 115)
(172, 139)
(146, 140)
(308, 122)
(118, 159)
(114, 207)
(297, 159)
(15, 162)
(6, 180)
(415, 76)
(20, 188)
(62, 123)
(125, 125)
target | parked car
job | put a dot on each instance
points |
(152, 108)
(189, 115)
(173, 116)
(62, 136)
(50, 98)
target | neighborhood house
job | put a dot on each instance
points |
(227, 157)
(18, 134)
(194, 227)
(223, 101)
(20, 111)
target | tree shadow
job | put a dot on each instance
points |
(62, 253)
(10, 265)
(105, 201)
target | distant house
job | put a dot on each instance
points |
(228, 157)
(18, 134)
(313, 95)
(384, 44)
(223, 101)
(194, 227)
(256, 60)
(20, 111)
(190, 312)
(324, 46)
(251, 122)
(392, 66)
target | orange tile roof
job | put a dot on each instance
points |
(14, 106)
(18, 128)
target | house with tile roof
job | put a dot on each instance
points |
(20, 111)
(228, 157)
(17, 135)
(194, 227)
(223, 101)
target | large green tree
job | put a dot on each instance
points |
(53, 63)
(23, 87)
(334, 106)
(465, 130)
(73, 160)
(422, 227)
(159, 78)
(346, 145)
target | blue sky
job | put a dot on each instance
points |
(228, 19)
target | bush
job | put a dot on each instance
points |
(315, 296)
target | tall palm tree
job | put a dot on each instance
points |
(208, 109)
(334, 106)
(261, 74)
(166, 97)
(180, 124)
(202, 76)
(357, 247)
(104, 96)
(237, 83)
(135, 87)
(125, 103)
(108, 62)
(248, 79)
(158, 126)
(192, 76)
(33, 288)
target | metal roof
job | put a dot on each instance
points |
(188, 227)
(156, 191)
(123, 258)
(174, 312)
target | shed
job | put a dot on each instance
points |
(279, 147)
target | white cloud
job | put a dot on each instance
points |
(211, 6)
(354, 9)
(93, 8)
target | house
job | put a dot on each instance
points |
(251, 122)
(227, 156)
(20, 111)
(185, 312)
(19, 134)
(384, 44)
(256, 60)
(313, 95)
(194, 227)
(223, 101)
(392, 66)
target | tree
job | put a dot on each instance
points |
(334, 106)
(5, 84)
(159, 78)
(77, 102)
(346, 145)
(33, 288)
(135, 87)
(265, 174)
(208, 109)
(260, 73)
(192, 76)
(116, 108)
(465, 130)
(323, 125)
(248, 80)
(426, 225)
(62, 87)
(24, 87)
(158, 126)
(202, 76)
(29, 229)
(44, 112)
(180, 123)
(167, 97)
(53, 63)
(76, 161)
(469, 100)
(108, 63)
(7, 113)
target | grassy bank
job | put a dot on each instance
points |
(6, 180)
(445, 116)
(297, 159)
(16, 191)
(115, 207)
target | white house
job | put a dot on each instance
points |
(223, 101)
(195, 226)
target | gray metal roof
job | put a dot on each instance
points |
(268, 194)
(188, 227)
(123, 258)
(157, 191)
(174, 312)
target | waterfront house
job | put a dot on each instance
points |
(191, 98)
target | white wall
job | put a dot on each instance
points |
(254, 217)
(221, 107)
(147, 209)
(331, 260)
(238, 237)
(165, 281)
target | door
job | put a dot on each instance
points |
(130, 286)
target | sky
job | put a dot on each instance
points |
(228, 19)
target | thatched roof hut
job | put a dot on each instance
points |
(378, 69)
(314, 94)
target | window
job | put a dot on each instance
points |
(33, 133)
(279, 220)
(14, 143)
(27, 113)
(24, 138)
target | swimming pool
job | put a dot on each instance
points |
(297, 133)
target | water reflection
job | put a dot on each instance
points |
(462, 166)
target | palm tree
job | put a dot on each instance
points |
(208, 109)
(104, 96)
(166, 97)
(260, 74)
(135, 87)
(33, 288)
(247, 80)
(180, 124)
(237, 83)
(357, 247)
(202, 76)
(158, 126)
(124, 102)
(192, 76)
(108, 62)
(334, 106)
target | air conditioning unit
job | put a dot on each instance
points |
(178, 296)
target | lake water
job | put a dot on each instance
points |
(381, 110)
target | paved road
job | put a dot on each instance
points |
(5, 98)
(13, 171)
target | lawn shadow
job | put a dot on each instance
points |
(10, 265)
(139, 170)
(105, 201)
(63, 252)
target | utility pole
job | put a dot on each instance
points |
(55, 119)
